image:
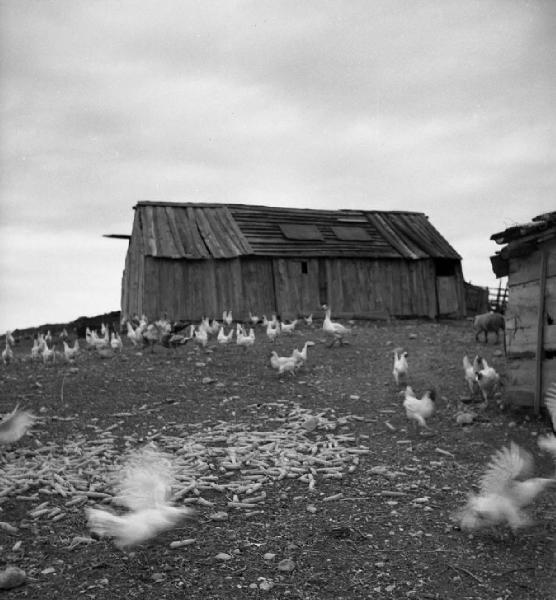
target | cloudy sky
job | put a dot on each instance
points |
(438, 106)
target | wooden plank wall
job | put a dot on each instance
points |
(392, 287)
(522, 312)
(132, 280)
(297, 293)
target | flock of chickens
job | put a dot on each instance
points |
(505, 489)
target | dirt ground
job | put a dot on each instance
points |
(380, 527)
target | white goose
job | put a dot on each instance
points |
(336, 331)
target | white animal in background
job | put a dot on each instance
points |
(214, 327)
(290, 366)
(135, 335)
(283, 363)
(300, 356)
(288, 327)
(227, 317)
(246, 341)
(7, 353)
(469, 374)
(336, 331)
(401, 366)
(548, 442)
(488, 380)
(15, 425)
(224, 338)
(36, 349)
(504, 491)
(63, 335)
(309, 320)
(200, 337)
(272, 330)
(48, 337)
(254, 319)
(116, 341)
(144, 487)
(71, 352)
(418, 409)
(48, 354)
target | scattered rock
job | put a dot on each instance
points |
(286, 565)
(12, 577)
(223, 556)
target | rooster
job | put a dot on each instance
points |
(488, 380)
(418, 409)
(401, 366)
(15, 425)
(504, 491)
(144, 488)
(336, 331)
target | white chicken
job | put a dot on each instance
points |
(254, 319)
(289, 328)
(227, 317)
(309, 320)
(418, 409)
(504, 491)
(283, 363)
(144, 488)
(48, 354)
(488, 381)
(15, 425)
(401, 366)
(272, 330)
(71, 352)
(7, 353)
(225, 338)
(469, 375)
(116, 342)
(200, 337)
(336, 331)
(300, 356)
(135, 335)
(246, 341)
(36, 349)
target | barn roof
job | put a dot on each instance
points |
(521, 240)
(197, 231)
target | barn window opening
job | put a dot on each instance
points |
(304, 268)
(351, 234)
(445, 267)
(301, 232)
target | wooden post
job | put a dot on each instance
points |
(540, 333)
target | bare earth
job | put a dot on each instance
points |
(375, 522)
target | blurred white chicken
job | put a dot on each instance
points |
(7, 353)
(335, 331)
(144, 487)
(200, 337)
(401, 367)
(469, 375)
(289, 328)
(116, 341)
(246, 341)
(71, 352)
(488, 380)
(15, 425)
(418, 410)
(272, 330)
(225, 338)
(300, 356)
(504, 491)
(254, 319)
(309, 320)
(227, 317)
(135, 335)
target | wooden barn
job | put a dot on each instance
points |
(189, 260)
(528, 259)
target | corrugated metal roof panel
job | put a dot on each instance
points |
(189, 230)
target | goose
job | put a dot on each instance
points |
(336, 331)
(300, 356)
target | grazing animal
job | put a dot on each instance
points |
(245, 340)
(144, 488)
(15, 425)
(401, 367)
(336, 331)
(487, 322)
(300, 356)
(71, 352)
(288, 327)
(224, 338)
(418, 410)
(504, 491)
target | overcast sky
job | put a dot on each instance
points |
(437, 106)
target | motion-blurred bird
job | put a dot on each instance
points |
(488, 380)
(469, 375)
(401, 366)
(418, 409)
(15, 425)
(504, 491)
(144, 486)
(548, 442)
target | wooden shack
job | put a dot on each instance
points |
(190, 260)
(528, 259)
